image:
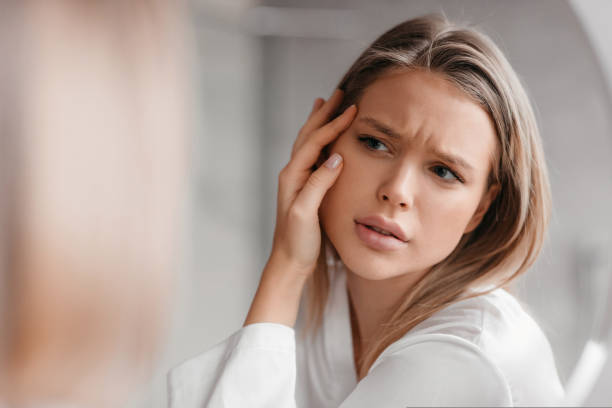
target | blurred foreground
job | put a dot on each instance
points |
(92, 115)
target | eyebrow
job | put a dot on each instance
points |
(386, 130)
(453, 159)
(381, 127)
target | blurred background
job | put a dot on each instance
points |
(244, 89)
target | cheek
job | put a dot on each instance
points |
(334, 209)
(353, 185)
(353, 170)
(446, 215)
(344, 191)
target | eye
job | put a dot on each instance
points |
(445, 173)
(372, 143)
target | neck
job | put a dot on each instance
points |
(371, 303)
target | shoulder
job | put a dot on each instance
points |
(434, 369)
(490, 321)
(489, 338)
(500, 327)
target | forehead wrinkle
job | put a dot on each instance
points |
(381, 127)
(390, 131)
(445, 154)
(425, 119)
(451, 157)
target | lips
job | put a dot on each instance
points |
(381, 231)
(383, 226)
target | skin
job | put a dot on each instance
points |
(401, 178)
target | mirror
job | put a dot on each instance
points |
(259, 68)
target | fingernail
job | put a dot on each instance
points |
(349, 108)
(334, 161)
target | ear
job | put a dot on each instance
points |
(485, 202)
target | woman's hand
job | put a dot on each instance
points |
(297, 236)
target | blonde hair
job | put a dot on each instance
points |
(511, 233)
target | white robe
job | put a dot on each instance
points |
(484, 351)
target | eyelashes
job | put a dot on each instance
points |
(370, 142)
(441, 171)
(447, 171)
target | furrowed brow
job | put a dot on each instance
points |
(453, 159)
(448, 157)
(381, 127)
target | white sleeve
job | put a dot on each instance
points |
(254, 367)
(432, 372)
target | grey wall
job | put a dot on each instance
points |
(595, 18)
(259, 76)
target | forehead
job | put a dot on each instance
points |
(427, 109)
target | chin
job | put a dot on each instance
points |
(369, 264)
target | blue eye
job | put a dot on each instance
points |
(445, 173)
(372, 143)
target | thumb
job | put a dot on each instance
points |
(310, 197)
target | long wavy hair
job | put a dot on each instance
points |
(511, 233)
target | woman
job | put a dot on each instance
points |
(433, 196)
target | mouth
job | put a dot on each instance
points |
(380, 231)
(377, 238)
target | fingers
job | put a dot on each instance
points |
(306, 156)
(319, 115)
(296, 173)
(322, 115)
(308, 201)
(316, 106)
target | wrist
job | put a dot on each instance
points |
(278, 295)
(293, 272)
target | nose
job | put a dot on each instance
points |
(399, 188)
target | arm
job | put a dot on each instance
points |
(297, 236)
(255, 367)
(278, 294)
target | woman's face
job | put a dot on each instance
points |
(417, 156)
